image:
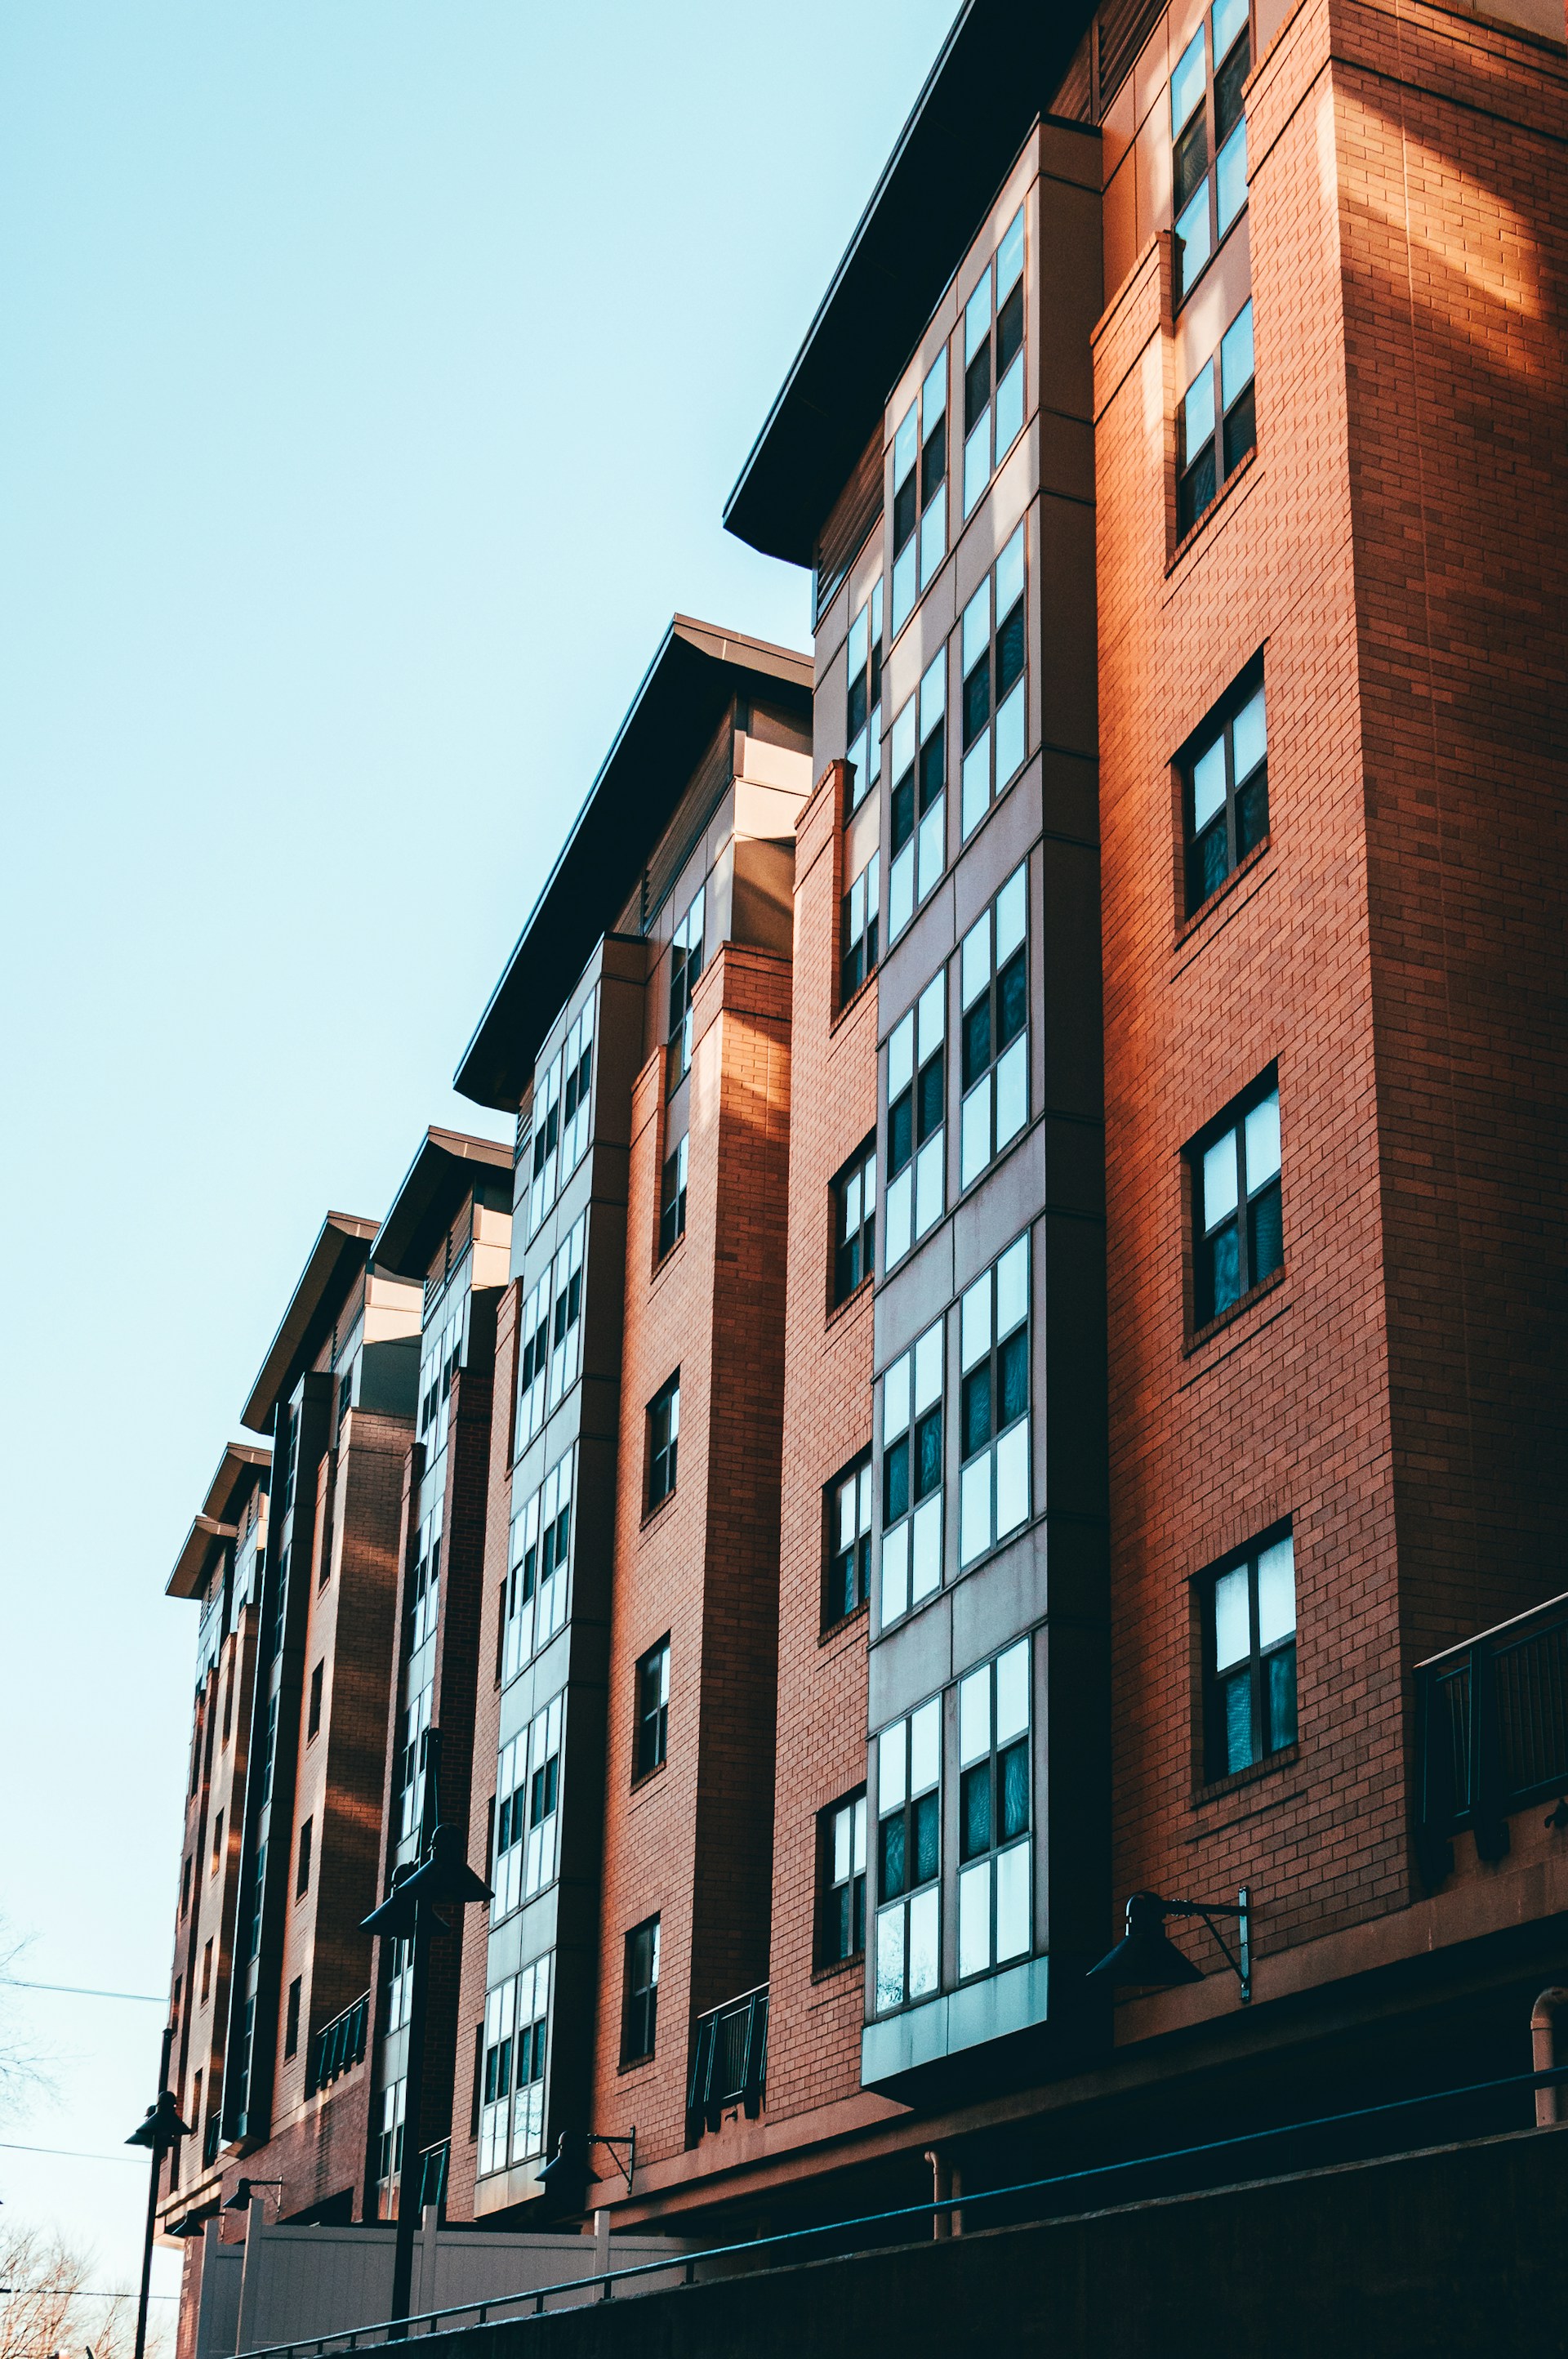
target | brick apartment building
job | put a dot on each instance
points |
(1019, 1358)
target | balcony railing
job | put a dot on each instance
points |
(729, 2061)
(341, 2044)
(1492, 1734)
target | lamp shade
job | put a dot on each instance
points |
(161, 2126)
(1145, 1957)
(563, 2182)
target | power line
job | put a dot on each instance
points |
(78, 2153)
(77, 2293)
(75, 1990)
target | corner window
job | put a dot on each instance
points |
(841, 1881)
(302, 1872)
(663, 1436)
(859, 927)
(408, 1766)
(994, 1919)
(313, 1717)
(685, 966)
(425, 1584)
(290, 2019)
(993, 1331)
(527, 1790)
(672, 1205)
(993, 984)
(440, 1354)
(653, 1709)
(920, 492)
(854, 1194)
(912, 1476)
(639, 2001)
(1225, 792)
(918, 809)
(863, 732)
(995, 696)
(1250, 1657)
(1206, 121)
(512, 2082)
(566, 1321)
(993, 361)
(848, 1578)
(1238, 1231)
(909, 1857)
(534, 1604)
(1216, 436)
(916, 1194)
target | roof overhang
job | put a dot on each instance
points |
(425, 1204)
(338, 1254)
(238, 1470)
(996, 74)
(698, 668)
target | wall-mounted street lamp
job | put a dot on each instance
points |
(241, 2199)
(443, 1879)
(1146, 1956)
(160, 2129)
(569, 2170)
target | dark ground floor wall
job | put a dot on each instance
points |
(1445, 2254)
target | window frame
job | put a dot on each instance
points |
(913, 1426)
(842, 1880)
(1219, 114)
(917, 802)
(920, 1759)
(305, 1856)
(859, 929)
(687, 957)
(1255, 1665)
(649, 1756)
(990, 314)
(514, 2055)
(847, 1566)
(536, 1599)
(993, 647)
(914, 1163)
(863, 698)
(640, 2000)
(994, 1090)
(1217, 730)
(996, 1474)
(673, 1182)
(1217, 449)
(918, 527)
(984, 1753)
(660, 1480)
(1202, 1237)
(853, 1189)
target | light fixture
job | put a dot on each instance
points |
(243, 2189)
(569, 2167)
(1147, 1957)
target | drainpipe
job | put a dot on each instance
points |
(946, 2183)
(1549, 2048)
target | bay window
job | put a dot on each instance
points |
(993, 1415)
(915, 1195)
(912, 1476)
(994, 1914)
(993, 1029)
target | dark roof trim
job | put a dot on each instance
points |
(698, 668)
(336, 1259)
(239, 1469)
(425, 1204)
(997, 73)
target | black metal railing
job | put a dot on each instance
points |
(341, 2044)
(1492, 1734)
(729, 2061)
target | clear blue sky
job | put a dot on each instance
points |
(372, 379)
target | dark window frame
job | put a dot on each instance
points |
(1257, 1219)
(1240, 825)
(853, 1191)
(313, 1713)
(305, 1856)
(841, 1900)
(291, 2017)
(673, 1195)
(860, 931)
(1230, 436)
(650, 1748)
(1268, 1671)
(663, 1443)
(847, 1571)
(1200, 145)
(640, 1994)
(686, 957)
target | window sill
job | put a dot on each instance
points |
(653, 1514)
(665, 1258)
(1220, 1789)
(630, 2064)
(847, 1007)
(838, 1309)
(1194, 925)
(645, 1777)
(840, 1967)
(1237, 1309)
(844, 1624)
(1239, 474)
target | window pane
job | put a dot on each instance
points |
(1010, 408)
(1280, 1678)
(976, 794)
(1193, 243)
(903, 587)
(1208, 783)
(975, 1323)
(975, 1918)
(978, 461)
(1232, 1619)
(1187, 82)
(1230, 177)
(1011, 736)
(977, 318)
(895, 1573)
(1219, 1195)
(1236, 357)
(1237, 1698)
(1262, 1130)
(1012, 1928)
(926, 1549)
(933, 694)
(897, 1223)
(978, 625)
(928, 1367)
(975, 1509)
(925, 1746)
(975, 961)
(928, 1191)
(1197, 413)
(1013, 1285)
(1011, 1092)
(1276, 1593)
(1010, 252)
(890, 1957)
(923, 1921)
(974, 1715)
(1013, 1692)
(1013, 1478)
(933, 536)
(906, 443)
(932, 846)
(933, 392)
(975, 1132)
(1230, 16)
(1250, 736)
(890, 1767)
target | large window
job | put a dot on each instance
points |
(993, 981)
(551, 1355)
(847, 1579)
(841, 1881)
(993, 1813)
(672, 1204)
(993, 365)
(854, 1193)
(920, 492)
(512, 2107)
(535, 1600)
(685, 965)
(864, 728)
(918, 809)
(302, 1875)
(1250, 1657)
(995, 698)
(859, 931)
(653, 1709)
(993, 1352)
(527, 1798)
(664, 1440)
(1206, 121)
(1225, 791)
(424, 1582)
(1238, 1231)
(640, 1999)
(440, 1354)
(1216, 434)
(915, 1196)
(912, 1476)
(560, 1116)
(909, 1857)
